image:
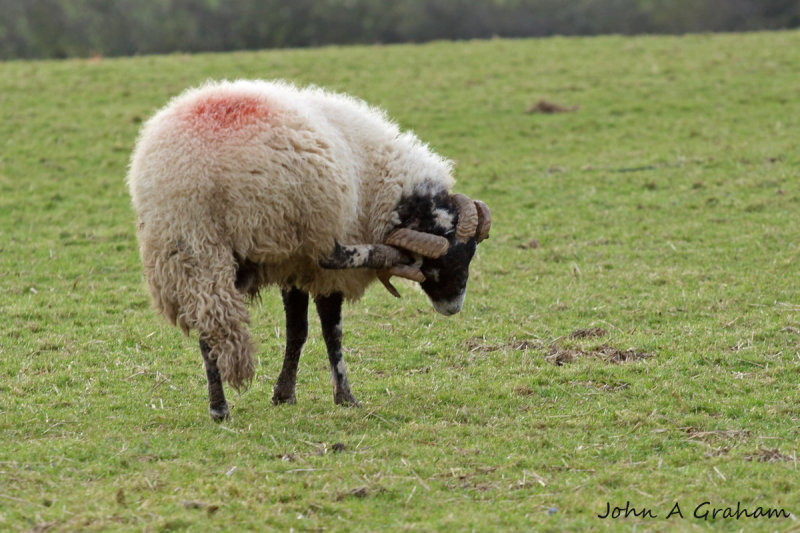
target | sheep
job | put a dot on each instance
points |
(238, 185)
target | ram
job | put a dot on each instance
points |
(239, 185)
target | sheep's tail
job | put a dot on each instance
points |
(194, 287)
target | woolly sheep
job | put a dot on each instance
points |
(239, 185)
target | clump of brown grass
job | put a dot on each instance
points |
(544, 106)
(587, 333)
(764, 455)
(561, 356)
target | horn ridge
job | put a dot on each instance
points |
(467, 217)
(425, 244)
(408, 272)
(484, 221)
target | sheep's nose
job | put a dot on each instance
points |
(449, 307)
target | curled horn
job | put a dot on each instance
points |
(467, 217)
(408, 272)
(378, 256)
(402, 271)
(387, 260)
(384, 276)
(425, 244)
(484, 221)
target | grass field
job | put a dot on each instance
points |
(631, 331)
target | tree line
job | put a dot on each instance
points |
(69, 28)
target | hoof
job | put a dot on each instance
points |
(280, 397)
(218, 414)
(345, 398)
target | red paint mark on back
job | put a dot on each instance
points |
(227, 112)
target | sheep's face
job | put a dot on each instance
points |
(446, 277)
(435, 211)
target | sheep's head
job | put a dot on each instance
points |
(434, 247)
(453, 226)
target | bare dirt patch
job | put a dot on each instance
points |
(719, 452)
(523, 390)
(479, 345)
(763, 455)
(560, 356)
(587, 333)
(209, 508)
(605, 387)
(359, 492)
(471, 480)
(735, 434)
(544, 106)
(525, 345)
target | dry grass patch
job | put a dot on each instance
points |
(764, 455)
(547, 107)
(605, 387)
(587, 333)
(561, 356)
(359, 492)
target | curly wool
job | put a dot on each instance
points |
(271, 174)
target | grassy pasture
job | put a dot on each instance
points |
(631, 332)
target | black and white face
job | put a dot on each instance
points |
(446, 277)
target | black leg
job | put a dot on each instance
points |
(330, 315)
(295, 304)
(217, 406)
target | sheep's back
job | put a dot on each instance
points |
(245, 165)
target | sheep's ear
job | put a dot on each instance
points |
(378, 256)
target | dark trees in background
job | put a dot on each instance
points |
(66, 28)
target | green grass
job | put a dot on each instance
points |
(666, 211)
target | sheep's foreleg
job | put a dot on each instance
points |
(295, 304)
(329, 309)
(217, 406)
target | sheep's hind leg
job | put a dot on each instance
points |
(217, 406)
(329, 309)
(295, 304)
